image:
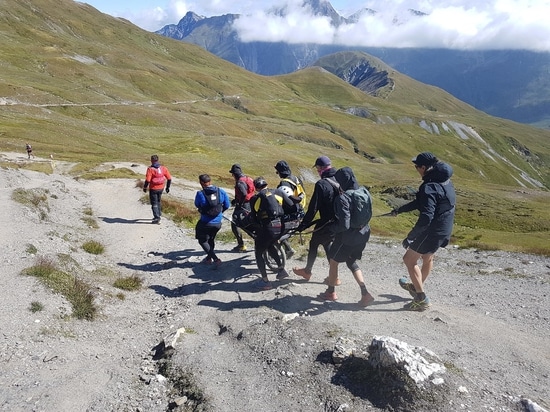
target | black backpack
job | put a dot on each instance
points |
(215, 206)
(271, 205)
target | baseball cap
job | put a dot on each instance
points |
(425, 159)
(322, 161)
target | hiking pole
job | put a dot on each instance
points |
(244, 229)
(387, 214)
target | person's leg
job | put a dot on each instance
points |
(154, 198)
(272, 250)
(288, 247)
(356, 271)
(312, 252)
(410, 258)
(260, 247)
(237, 232)
(427, 266)
(202, 238)
(420, 302)
(332, 272)
(213, 231)
(366, 297)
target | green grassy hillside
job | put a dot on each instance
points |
(90, 88)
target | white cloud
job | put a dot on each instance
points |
(459, 24)
(502, 24)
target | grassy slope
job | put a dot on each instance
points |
(91, 88)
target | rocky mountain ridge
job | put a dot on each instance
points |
(475, 77)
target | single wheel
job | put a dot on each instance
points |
(270, 262)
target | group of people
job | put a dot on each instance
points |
(263, 212)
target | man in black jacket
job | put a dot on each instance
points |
(321, 201)
(435, 201)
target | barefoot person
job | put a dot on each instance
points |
(435, 201)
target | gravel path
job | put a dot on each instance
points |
(242, 350)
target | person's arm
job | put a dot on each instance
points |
(427, 202)
(242, 188)
(342, 214)
(168, 177)
(147, 179)
(226, 203)
(313, 206)
(198, 203)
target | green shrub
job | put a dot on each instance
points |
(93, 247)
(36, 307)
(128, 283)
(77, 292)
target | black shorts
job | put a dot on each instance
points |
(429, 243)
(343, 253)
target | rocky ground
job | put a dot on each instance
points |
(241, 349)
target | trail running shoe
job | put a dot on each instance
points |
(366, 300)
(281, 274)
(260, 284)
(239, 248)
(338, 282)
(206, 261)
(408, 286)
(328, 296)
(418, 305)
(302, 273)
(217, 263)
(156, 221)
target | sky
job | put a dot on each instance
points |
(454, 24)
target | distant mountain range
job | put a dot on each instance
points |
(512, 84)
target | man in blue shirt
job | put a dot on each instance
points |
(211, 202)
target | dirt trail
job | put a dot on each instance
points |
(490, 319)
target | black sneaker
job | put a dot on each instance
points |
(281, 274)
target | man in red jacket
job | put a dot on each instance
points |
(156, 178)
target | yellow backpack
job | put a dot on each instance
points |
(298, 189)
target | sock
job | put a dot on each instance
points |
(420, 296)
(330, 289)
(363, 289)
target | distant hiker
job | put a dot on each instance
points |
(267, 211)
(244, 190)
(29, 151)
(353, 210)
(294, 189)
(436, 202)
(211, 202)
(156, 178)
(322, 201)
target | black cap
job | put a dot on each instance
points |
(425, 159)
(282, 167)
(236, 169)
